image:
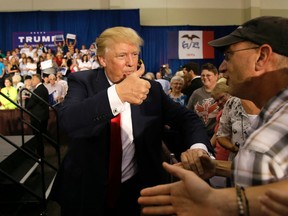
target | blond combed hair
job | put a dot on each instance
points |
(115, 35)
(221, 87)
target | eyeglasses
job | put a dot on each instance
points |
(228, 54)
(206, 75)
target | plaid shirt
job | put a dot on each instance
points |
(264, 156)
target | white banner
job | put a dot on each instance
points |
(190, 44)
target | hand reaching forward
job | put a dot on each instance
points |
(133, 89)
(189, 196)
(274, 202)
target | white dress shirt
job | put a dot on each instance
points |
(129, 167)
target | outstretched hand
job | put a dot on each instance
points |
(133, 89)
(274, 202)
(189, 196)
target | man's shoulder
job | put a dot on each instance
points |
(197, 81)
(41, 86)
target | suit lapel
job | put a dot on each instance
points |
(101, 81)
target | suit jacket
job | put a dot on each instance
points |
(85, 116)
(195, 84)
(36, 106)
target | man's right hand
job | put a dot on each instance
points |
(133, 89)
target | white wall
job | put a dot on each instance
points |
(165, 12)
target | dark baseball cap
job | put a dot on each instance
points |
(272, 30)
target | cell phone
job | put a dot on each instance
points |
(140, 62)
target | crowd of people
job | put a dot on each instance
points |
(19, 65)
(230, 114)
(252, 126)
(233, 127)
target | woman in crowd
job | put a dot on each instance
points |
(74, 66)
(221, 95)
(238, 115)
(23, 66)
(13, 67)
(85, 64)
(10, 92)
(31, 66)
(24, 96)
(201, 100)
(17, 82)
(177, 83)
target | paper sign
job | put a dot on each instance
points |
(71, 36)
(46, 64)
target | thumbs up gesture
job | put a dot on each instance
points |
(133, 89)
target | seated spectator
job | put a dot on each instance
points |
(22, 56)
(35, 57)
(17, 82)
(30, 51)
(23, 66)
(24, 49)
(58, 58)
(92, 49)
(74, 66)
(10, 92)
(83, 50)
(2, 72)
(95, 63)
(84, 64)
(23, 95)
(31, 66)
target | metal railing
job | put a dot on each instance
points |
(38, 157)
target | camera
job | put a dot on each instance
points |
(163, 70)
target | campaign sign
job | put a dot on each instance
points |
(71, 36)
(35, 37)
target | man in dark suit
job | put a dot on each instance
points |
(36, 106)
(192, 79)
(94, 98)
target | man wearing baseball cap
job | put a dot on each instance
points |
(256, 67)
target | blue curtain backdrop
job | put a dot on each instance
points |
(88, 24)
(155, 50)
